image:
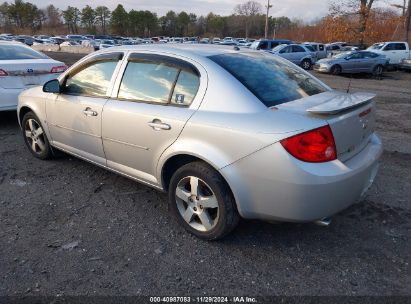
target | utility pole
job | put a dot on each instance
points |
(268, 6)
(407, 22)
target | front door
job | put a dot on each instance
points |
(147, 113)
(74, 116)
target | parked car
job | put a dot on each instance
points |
(244, 133)
(405, 65)
(70, 43)
(216, 40)
(396, 51)
(353, 62)
(268, 45)
(205, 41)
(21, 67)
(297, 54)
(319, 49)
(105, 44)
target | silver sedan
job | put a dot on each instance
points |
(353, 62)
(228, 133)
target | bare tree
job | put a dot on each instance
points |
(360, 8)
(248, 10)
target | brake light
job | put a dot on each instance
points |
(3, 73)
(315, 146)
(58, 69)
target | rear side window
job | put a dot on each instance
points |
(17, 52)
(271, 79)
(263, 45)
(186, 88)
(321, 47)
(147, 81)
(298, 49)
(400, 47)
(159, 79)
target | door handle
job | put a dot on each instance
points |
(158, 125)
(89, 112)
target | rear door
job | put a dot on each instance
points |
(149, 108)
(74, 117)
(298, 53)
(396, 51)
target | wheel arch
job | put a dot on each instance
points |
(23, 111)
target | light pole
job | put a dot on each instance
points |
(268, 6)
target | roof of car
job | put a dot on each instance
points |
(190, 50)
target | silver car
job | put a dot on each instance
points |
(297, 54)
(353, 62)
(228, 133)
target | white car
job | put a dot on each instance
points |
(22, 67)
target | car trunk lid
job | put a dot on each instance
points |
(351, 118)
(27, 72)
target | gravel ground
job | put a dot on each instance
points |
(70, 228)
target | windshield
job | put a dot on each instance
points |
(12, 52)
(278, 47)
(309, 47)
(271, 79)
(377, 46)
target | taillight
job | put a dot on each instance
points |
(315, 146)
(3, 73)
(58, 69)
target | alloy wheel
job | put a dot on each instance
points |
(197, 203)
(35, 136)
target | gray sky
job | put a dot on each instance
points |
(306, 10)
(302, 9)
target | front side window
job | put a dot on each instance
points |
(321, 47)
(263, 45)
(156, 79)
(271, 79)
(93, 80)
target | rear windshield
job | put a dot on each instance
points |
(271, 79)
(12, 52)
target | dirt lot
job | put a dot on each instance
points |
(70, 228)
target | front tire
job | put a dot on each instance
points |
(378, 70)
(35, 137)
(202, 202)
(336, 70)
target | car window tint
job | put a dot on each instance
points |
(271, 79)
(400, 47)
(369, 55)
(356, 56)
(147, 81)
(285, 50)
(263, 45)
(390, 47)
(298, 49)
(321, 47)
(17, 52)
(186, 88)
(93, 80)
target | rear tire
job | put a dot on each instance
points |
(35, 137)
(202, 202)
(336, 70)
(306, 64)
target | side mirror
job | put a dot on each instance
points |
(52, 86)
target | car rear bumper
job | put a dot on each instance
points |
(272, 185)
(9, 99)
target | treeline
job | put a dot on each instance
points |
(360, 23)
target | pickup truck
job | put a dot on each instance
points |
(395, 51)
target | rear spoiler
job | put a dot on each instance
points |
(341, 102)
